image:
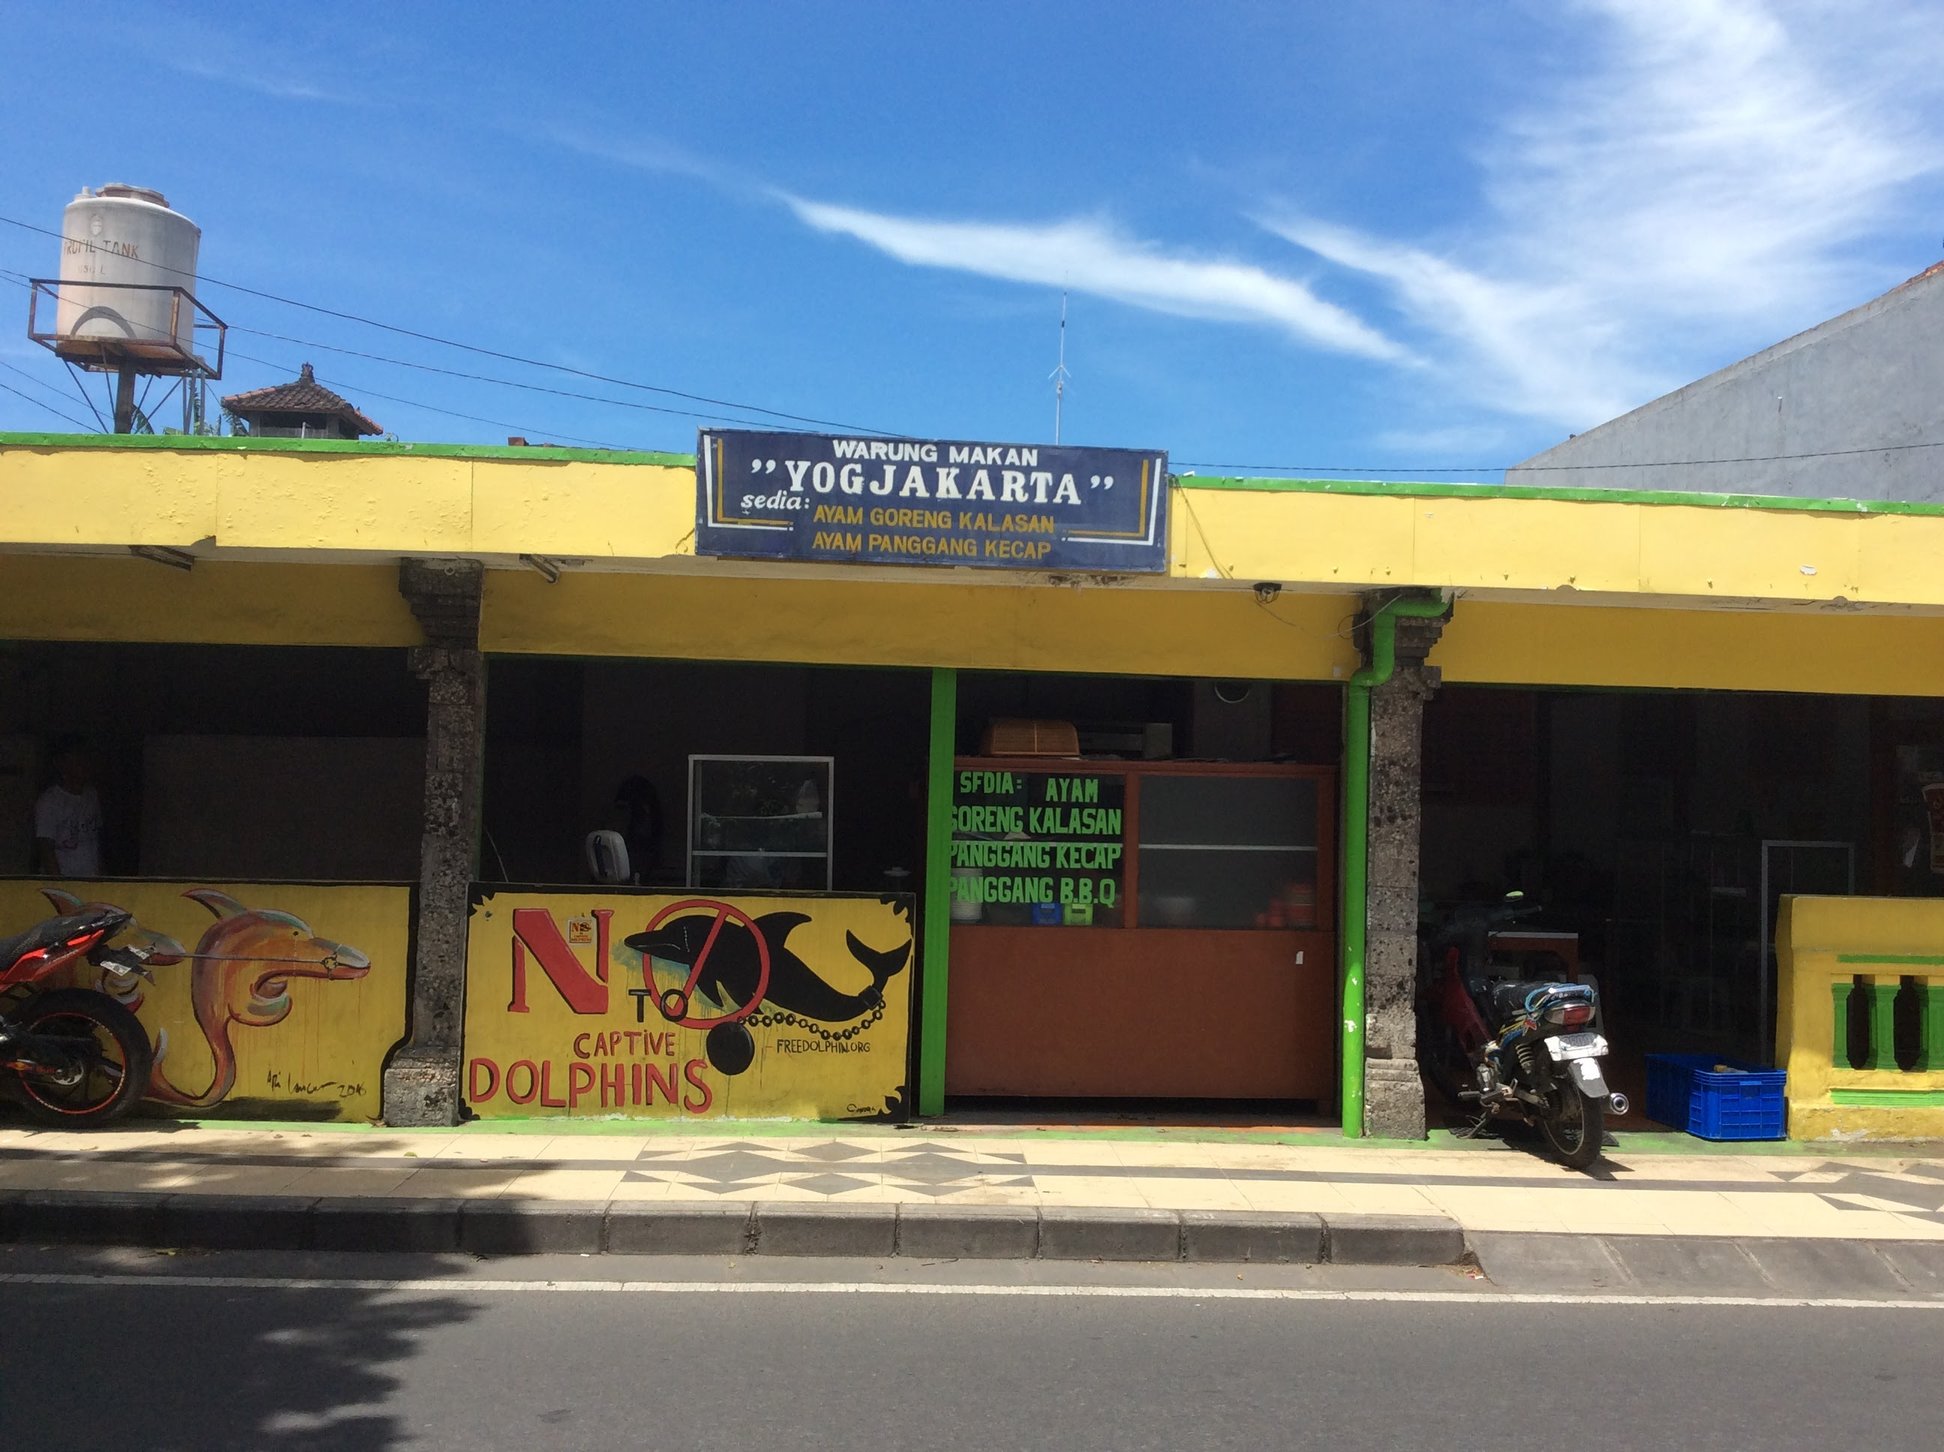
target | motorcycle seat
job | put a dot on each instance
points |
(44, 934)
(1506, 1000)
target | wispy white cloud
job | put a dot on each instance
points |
(262, 71)
(1711, 175)
(1093, 256)
(1685, 182)
(1468, 443)
(649, 154)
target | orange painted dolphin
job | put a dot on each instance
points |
(243, 965)
(160, 949)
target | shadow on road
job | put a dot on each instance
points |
(113, 1363)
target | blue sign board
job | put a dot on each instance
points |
(930, 502)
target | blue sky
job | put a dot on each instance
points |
(1403, 236)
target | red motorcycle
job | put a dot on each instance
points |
(73, 1056)
(1524, 1050)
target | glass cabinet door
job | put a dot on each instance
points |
(759, 822)
(1228, 852)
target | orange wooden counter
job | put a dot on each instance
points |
(1151, 929)
(1161, 1013)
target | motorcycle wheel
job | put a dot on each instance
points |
(1574, 1127)
(114, 1045)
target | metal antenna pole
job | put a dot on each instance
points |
(1060, 375)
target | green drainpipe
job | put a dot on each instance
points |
(1355, 913)
(937, 911)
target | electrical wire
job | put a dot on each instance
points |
(506, 382)
(483, 352)
(521, 429)
(23, 280)
(38, 383)
(1350, 470)
(81, 388)
(9, 388)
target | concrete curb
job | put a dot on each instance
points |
(725, 1227)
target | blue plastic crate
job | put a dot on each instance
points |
(1687, 1092)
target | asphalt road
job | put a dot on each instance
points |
(106, 1350)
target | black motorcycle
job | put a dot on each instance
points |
(1521, 1050)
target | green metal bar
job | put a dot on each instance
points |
(1842, 990)
(1888, 1098)
(1931, 1040)
(1355, 893)
(1883, 1023)
(254, 444)
(1575, 494)
(934, 965)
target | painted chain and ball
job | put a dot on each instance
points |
(267, 999)
(682, 1006)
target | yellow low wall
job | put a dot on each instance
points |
(270, 1000)
(1824, 945)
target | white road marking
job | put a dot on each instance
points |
(426, 1285)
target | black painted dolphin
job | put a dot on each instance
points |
(731, 970)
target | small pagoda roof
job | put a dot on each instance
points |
(306, 395)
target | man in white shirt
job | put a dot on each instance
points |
(67, 817)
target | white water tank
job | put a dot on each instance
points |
(124, 234)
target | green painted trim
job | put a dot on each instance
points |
(206, 444)
(1841, 990)
(1930, 1037)
(1655, 1142)
(1883, 1024)
(1923, 960)
(1355, 904)
(935, 966)
(1424, 489)
(1888, 1099)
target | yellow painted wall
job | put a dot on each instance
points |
(1814, 938)
(1672, 558)
(599, 1035)
(1830, 652)
(291, 1013)
(1109, 630)
(1104, 630)
(1692, 552)
(390, 503)
(1203, 633)
(583, 508)
(96, 597)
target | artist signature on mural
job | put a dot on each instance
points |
(307, 1089)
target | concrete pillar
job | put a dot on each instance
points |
(422, 1078)
(1393, 1090)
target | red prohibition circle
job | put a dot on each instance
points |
(724, 912)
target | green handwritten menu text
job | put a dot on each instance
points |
(1037, 847)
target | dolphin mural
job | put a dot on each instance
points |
(732, 969)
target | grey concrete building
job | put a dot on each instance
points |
(1851, 409)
